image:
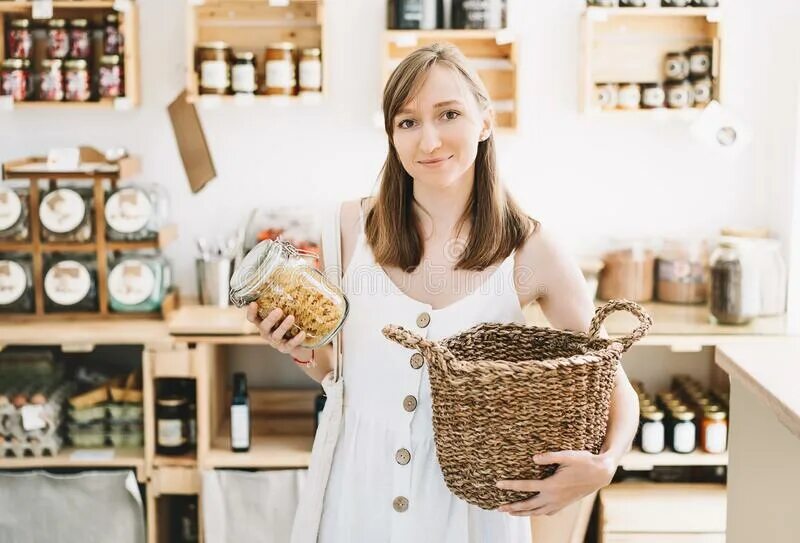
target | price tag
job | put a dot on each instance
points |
(42, 9)
(32, 417)
(278, 3)
(6, 103)
(123, 103)
(504, 37)
(123, 6)
(405, 40)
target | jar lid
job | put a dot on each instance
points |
(244, 55)
(15, 281)
(11, 207)
(312, 51)
(76, 64)
(13, 63)
(79, 23)
(647, 408)
(20, 23)
(51, 63)
(253, 271)
(216, 45)
(683, 415)
(109, 59)
(716, 415)
(172, 401)
(57, 23)
(654, 416)
(112, 18)
(283, 45)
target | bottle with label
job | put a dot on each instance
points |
(652, 432)
(138, 281)
(415, 14)
(240, 414)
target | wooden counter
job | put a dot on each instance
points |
(764, 442)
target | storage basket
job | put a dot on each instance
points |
(505, 392)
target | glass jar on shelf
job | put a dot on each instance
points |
(70, 282)
(19, 39)
(682, 272)
(213, 67)
(66, 215)
(734, 294)
(280, 78)
(57, 39)
(138, 281)
(51, 81)
(628, 272)
(14, 214)
(110, 77)
(77, 83)
(243, 73)
(80, 42)
(112, 37)
(135, 212)
(310, 70)
(274, 274)
(14, 79)
(16, 283)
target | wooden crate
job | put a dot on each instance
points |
(252, 25)
(630, 44)
(95, 11)
(492, 53)
(34, 170)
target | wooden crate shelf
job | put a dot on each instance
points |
(123, 458)
(94, 10)
(636, 460)
(492, 53)
(252, 25)
(629, 45)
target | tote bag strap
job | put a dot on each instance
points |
(332, 254)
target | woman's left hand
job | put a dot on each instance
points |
(579, 474)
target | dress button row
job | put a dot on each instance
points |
(409, 403)
(417, 361)
(403, 456)
(400, 504)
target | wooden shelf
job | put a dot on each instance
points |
(85, 334)
(36, 168)
(123, 458)
(265, 452)
(600, 13)
(184, 461)
(660, 114)
(636, 460)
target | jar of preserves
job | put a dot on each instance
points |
(310, 70)
(109, 77)
(653, 95)
(13, 215)
(279, 67)
(138, 282)
(112, 37)
(703, 91)
(700, 61)
(65, 214)
(276, 275)
(51, 81)
(714, 431)
(76, 81)
(135, 212)
(213, 66)
(680, 94)
(172, 416)
(676, 66)
(683, 431)
(19, 39)
(630, 96)
(243, 73)
(681, 272)
(16, 283)
(606, 96)
(653, 432)
(479, 14)
(628, 273)
(57, 39)
(14, 79)
(734, 288)
(70, 283)
(80, 43)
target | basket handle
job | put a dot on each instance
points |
(602, 312)
(410, 340)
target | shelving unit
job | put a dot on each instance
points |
(630, 44)
(94, 10)
(252, 25)
(492, 53)
(66, 458)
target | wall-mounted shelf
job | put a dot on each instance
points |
(636, 460)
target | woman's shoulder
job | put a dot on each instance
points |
(541, 257)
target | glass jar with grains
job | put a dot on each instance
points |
(276, 275)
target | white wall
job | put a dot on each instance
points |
(591, 179)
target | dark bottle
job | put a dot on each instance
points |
(415, 14)
(240, 414)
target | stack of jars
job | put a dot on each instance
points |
(70, 70)
(683, 419)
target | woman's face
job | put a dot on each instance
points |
(436, 133)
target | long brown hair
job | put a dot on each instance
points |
(497, 224)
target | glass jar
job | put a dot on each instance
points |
(414, 15)
(57, 39)
(112, 38)
(135, 212)
(602, 3)
(66, 215)
(630, 96)
(14, 79)
(653, 432)
(628, 273)
(632, 3)
(479, 14)
(76, 81)
(51, 81)
(16, 283)
(680, 94)
(279, 67)
(705, 3)
(700, 61)
(19, 39)
(213, 66)
(138, 282)
(714, 431)
(683, 432)
(172, 415)
(80, 43)
(310, 70)
(243, 73)
(681, 272)
(275, 275)
(13, 215)
(703, 91)
(676, 3)
(109, 77)
(606, 96)
(733, 287)
(653, 95)
(676, 67)
(70, 283)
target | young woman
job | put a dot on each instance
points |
(442, 247)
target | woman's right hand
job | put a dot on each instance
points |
(274, 333)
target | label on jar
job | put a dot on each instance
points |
(62, 211)
(10, 208)
(13, 282)
(716, 438)
(67, 283)
(244, 78)
(280, 74)
(128, 210)
(240, 426)
(131, 282)
(680, 271)
(652, 437)
(310, 74)
(170, 433)
(214, 74)
(683, 437)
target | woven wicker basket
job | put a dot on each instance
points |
(505, 392)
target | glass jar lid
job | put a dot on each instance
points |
(79, 23)
(109, 60)
(312, 52)
(131, 281)
(684, 415)
(51, 63)
(247, 56)
(129, 210)
(13, 64)
(20, 23)
(653, 416)
(112, 18)
(62, 210)
(57, 23)
(283, 45)
(172, 401)
(76, 64)
(67, 282)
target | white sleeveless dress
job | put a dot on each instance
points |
(386, 484)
